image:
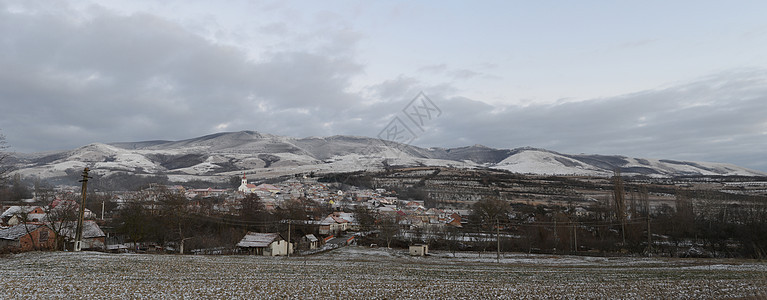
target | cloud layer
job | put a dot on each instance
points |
(69, 78)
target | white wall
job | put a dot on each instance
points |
(279, 248)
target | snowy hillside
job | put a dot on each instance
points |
(219, 156)
(539, 161)
(544, 162)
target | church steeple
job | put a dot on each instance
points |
(244, 184)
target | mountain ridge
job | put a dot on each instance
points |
(221, 155)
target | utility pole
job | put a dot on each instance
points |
(575, 236)
(79, 234)
(181, 248)
(102, 210)
(649, 236)
(498, 241)
(556, 239)
(289, 221)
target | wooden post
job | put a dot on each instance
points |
(288, 251)
(79, 233)
(498, 241)
(649, 236)
(556, 239)
(575, 236)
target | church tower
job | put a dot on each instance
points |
(244, 184)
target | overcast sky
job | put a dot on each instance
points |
(682, 80)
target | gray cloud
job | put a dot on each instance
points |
(67, 80)
(720, 118)
(110, 77)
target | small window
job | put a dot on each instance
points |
(43, 237)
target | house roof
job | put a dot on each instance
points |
(328, 220)
(38, 217)
(434, 211)
(349, 217)
(58, 202)
(15, 232)
(267, 187)
(311, 238)
(90, 230)
(258, 240)
(14, 210)
(332, 219)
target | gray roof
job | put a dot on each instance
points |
(14, 210)
(15, 232)
(90, 230)
(258, 240)
(311, 238)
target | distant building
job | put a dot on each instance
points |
(338, 222)
(209, 192)
(245, 187)
(93, 237)
(312, 241)
(27, 237)
(267, 244)
(419, 250)
(15, 215)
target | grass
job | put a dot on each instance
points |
(373, 274)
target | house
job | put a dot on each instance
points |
(15, 215)
(312, 241)
(351, 220)
(27, 237)
(93, 237)
(333, 224)
(454, 220)
(268, 188)
(209, 192)
(419, 250)
(267, 244)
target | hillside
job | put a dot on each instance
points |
(222, 155)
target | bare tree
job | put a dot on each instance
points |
(488, 212)
(453, 237)
(135, 221)
(24, 216)
(366, 217)
(388, 228)
(620, 202)
(251, 207)
(61, 216)
(173, 215)
(4, 155)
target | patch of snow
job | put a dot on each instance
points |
(541, 162)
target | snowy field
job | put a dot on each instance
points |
(361, 273)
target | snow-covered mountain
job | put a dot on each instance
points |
(219, 156)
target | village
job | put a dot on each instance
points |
(413, 210)
(52, 227)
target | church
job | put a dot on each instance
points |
(246, 187)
